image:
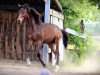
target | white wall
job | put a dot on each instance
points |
(59, 22)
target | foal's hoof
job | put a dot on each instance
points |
(28, 62)
(55, 68)
(44, 65)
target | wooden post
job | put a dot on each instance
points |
(6, 47)
(6, 40)
(13, 34)
(1, 55)
(13, 42)
(24, 41)
(47, 19)
(18, 48)
(3, 39)
(13, 49)
(82, 26)
(1, 51)
(0, 37)
(10, 18)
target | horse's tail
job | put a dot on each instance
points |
(65, 38)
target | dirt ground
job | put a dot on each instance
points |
(91, 66)
(10, 67)
(22, 69)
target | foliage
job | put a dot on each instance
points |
(74, 11)
(83, 47)
(95, 2)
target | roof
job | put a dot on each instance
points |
(37, 4)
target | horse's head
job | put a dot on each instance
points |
(23, 13)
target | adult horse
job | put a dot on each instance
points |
(41, 32)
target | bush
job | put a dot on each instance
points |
(83, 47)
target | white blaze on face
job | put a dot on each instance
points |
(20, 19)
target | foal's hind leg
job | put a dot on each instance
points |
(57, 54)
(38, 53)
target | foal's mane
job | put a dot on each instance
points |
(36, 16)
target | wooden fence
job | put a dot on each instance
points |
(12, 37)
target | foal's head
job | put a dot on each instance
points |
(23, 13)
(26, 12)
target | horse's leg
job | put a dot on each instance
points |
(52, 46)
(55, 49)
(39, 46)
(28, 45)
(57, 54)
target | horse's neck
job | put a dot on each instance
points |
(31, 23)
(33, 26)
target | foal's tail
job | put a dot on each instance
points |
(65, 38)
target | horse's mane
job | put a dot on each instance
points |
(36, 16)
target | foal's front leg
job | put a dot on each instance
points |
(28, 45)
(38, 48)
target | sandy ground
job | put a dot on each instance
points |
(20, 68)
(91, 66)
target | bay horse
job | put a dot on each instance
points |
(40, 32)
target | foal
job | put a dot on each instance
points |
(41, 32)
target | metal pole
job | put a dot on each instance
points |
(46, 20)
(47, 11)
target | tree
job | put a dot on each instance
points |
(75, 11)
(95, 2)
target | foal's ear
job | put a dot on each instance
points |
(19, 5)
(26, 5)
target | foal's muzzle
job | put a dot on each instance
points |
(18, 22)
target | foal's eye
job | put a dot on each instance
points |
(23, 12)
